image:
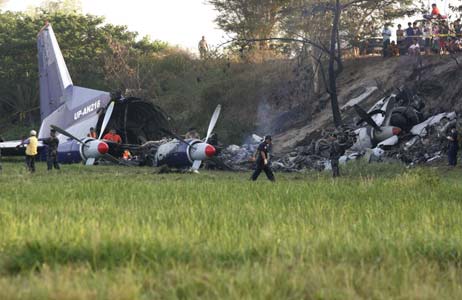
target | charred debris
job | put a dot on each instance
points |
(396, 128)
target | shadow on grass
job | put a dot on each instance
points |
(34, 255)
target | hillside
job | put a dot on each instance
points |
(437, 79)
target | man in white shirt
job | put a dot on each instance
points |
(386, 35)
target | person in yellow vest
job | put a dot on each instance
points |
(31, 150)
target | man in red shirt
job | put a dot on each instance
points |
(113, 137)
(435, 10)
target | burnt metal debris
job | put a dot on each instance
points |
(420, 139)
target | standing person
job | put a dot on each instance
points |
(436, 39)
(427, 35)
(113, 136)
(417, 32)
(31, 150)
(453, 147)
(334, 155)
(409, 35)
(400, 39)
(262, 160)
(203, 48)
(1, 140)
(386, 35)
(52, 152)
(444, 32)
(92, 133)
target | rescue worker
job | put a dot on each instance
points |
(31, 150)
(1, 141)
(92, 133)
(453, 147)
(52, 152)
(126, 155)
(203, 48)
(113, 136)
(335, 153)
(262, 160)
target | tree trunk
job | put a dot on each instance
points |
(331, 70)
(315, 53)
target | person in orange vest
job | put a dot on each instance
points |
(92, 133)
(113, 137)
(126, 155)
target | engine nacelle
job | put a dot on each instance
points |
(92, 148)
(201, 151)
(178, 154)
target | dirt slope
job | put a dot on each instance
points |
(437, 79)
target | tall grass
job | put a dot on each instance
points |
(121, 233)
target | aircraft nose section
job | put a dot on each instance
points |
(103, 148)
(210, 151)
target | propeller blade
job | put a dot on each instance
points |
(213, 121)
(64, 132)
(389, 111)
(107, 117)
(90, 161)
(196, 165)
(363, 115)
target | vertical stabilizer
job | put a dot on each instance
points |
(55, 82)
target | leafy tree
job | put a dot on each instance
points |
(315, 24)
(58, 6)
(84, 41)
(249, 19)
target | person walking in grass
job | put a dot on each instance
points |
(31, 150)
(262, 160)
(334, 155)
(1, 140)
(453, 147)
(52, 152)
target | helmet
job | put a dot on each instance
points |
(33, 132)
(268, 137)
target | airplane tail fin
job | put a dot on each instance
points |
(56, 85)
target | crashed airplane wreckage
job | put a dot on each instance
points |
(395, 128)
(72, 110)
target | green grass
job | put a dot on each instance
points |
(126, 233)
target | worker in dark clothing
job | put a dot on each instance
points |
(453, 147)
(334, 155)
(1, 140)
(262, 160)
(52, 153)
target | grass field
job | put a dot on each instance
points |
(126, 233)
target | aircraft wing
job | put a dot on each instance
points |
(9, 148)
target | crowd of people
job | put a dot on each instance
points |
(432, 35)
